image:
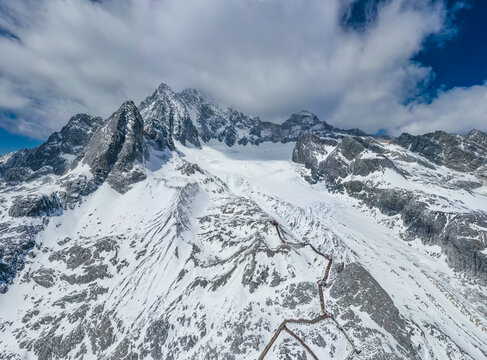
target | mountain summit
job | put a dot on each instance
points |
(184, 229)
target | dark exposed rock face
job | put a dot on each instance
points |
(340, 159)
(74, 188)
(15, 243)
(463, 241)
(356, 288)
(26, 217)
(17, 174)
(112, 151)
(346, 166)
(53, 156)
(309, 150)
(304, 121)
(215, 122)
(34, 206)
(166, 119)
(463, 153)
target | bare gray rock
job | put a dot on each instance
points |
(354, 287)
(36, 205)
(115, 148)
(56, 154)
(463, 153)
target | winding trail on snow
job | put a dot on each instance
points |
(325, 315)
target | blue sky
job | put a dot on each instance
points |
(461, 61)
(11, 142)
(389, 65)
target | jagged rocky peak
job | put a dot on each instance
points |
(53, 156)
(192, 116)
(167, 118)
(194, 98)
(478, 137)
(116, 147)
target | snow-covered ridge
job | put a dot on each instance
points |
(193, 118)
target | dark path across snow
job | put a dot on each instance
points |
(324, 314)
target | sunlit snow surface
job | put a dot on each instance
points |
(181, 273)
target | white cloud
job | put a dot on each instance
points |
(265, 57)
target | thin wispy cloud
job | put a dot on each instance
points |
(265, 57)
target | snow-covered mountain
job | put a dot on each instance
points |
(184, 229)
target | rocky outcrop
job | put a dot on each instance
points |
(114, 153)
(26, 216)
(116, 147)
(213, 121)
(460, 235)
(15, 242)
(310, 148)
(166, 118)
(36, 205)
(462, 153)
(355, 288)
(334, 160)
(193, 117)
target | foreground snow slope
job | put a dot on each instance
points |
(186, 265)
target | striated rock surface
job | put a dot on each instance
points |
(36, 206)
(116, 148)
(166, 118)
(357, 292)
(462, 153)
(192, 117)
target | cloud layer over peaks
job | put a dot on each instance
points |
(264, 57)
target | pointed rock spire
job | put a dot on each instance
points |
(116, 147)
(166, 118)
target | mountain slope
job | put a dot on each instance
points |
(112, 151)
(189, 230)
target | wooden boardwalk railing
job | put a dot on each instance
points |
(324, 314)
